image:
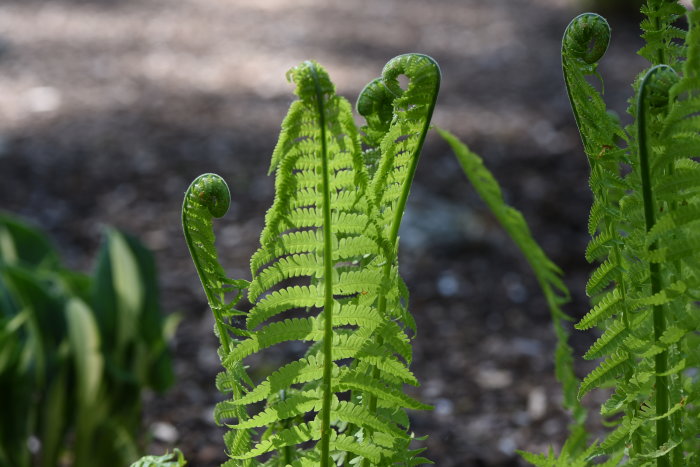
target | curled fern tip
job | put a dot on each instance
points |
(587, 37)
(211, 191)
(661, 79)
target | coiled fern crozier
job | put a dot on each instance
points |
(644, 221)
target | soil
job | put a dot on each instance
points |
(109, 108)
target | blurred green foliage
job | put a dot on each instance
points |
(76, 351)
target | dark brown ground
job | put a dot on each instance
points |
(108, 109)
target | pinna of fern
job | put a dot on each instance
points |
(646, 285)
(326, 274)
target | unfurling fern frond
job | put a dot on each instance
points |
(326, 274)
(208, 197)
(401, 139)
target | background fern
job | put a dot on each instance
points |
(643, 288)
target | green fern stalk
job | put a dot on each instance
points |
(208, 197)
(654, 81)
(327, 278)
(585, 41)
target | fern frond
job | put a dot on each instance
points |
(607, 371)
(610, 304)
(362, 448)
(683, 217)
(292, 436)
(207, 197)
(174, 459)
(659, 33)
(353, 380)
(643, 224)
(398, 121)
(663, 296)
(327, 252)
(568, 457)
(602, 277)
(279, 301)
(358, 415)
(293, 406)
(599, 246)
(597, 127)
(610, 339)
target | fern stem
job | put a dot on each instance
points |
(659, 321)
(327, 280)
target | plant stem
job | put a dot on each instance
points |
(326, 385)
(661, 359)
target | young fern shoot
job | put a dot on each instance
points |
(326, 274)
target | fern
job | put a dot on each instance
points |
(326, 273)
(643, 224)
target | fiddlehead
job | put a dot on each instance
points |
(397, 124)
(401, 145)
(208, 197)
(375, 105)
(586, 38)
(585, 42)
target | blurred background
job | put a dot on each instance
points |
(109, 108)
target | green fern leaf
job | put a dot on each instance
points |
(601, 277)
(353, 380)
(292, 436)
(610, 304)
(607, 371)
(293, 406)
(547, 273)
(610, 339)
(358, 415)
